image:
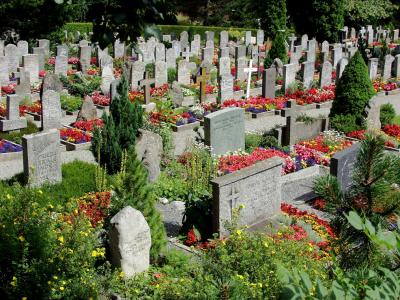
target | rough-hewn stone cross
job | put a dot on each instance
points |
(146, 83)
(202, 79)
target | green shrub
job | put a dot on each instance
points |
(171, 75)
(252, 141)
(387, 114)
(235, 35)
(16, 137)
(345, 123)
(81, 86)
(70, 103)
(278, 50)
(353, 91)
(150, 69)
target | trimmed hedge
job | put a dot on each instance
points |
(81, 27)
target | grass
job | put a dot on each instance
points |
(396, 120)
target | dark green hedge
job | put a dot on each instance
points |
(81, 27)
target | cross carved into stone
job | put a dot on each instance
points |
(146, 83)
(249, 70)
(202, 79)
(233, 197)
(186, 54)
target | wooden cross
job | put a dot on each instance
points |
(146, 83)
(186, 54)
(249, 70)
(203, 81)
(233, 197)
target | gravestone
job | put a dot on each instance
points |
(42, 159)
(107, 76)
(45, 44)
(210, 44)
(11, 52)
(51, 110)
(119, 49)
(170, 58)
(88, 110)
(160, 52)
(307, 69)
(4, 73)
(146, 84)
(161, 76)
(342, 165)
(194, 48)
(240, 51)
(12, 121)
(224, 66)
(113, 89)
(289, 75)
(387, 67)
(396, 66)
(337, 55)
(260, 37)
(292, 40)
(373, 68)
(304, 41)
(395, 35)
(224, 130)
(106, 60)
(23, 49)
(184, 39)
(210, 35)
(166, 38)
(224, 52)
(226, 87)
(223, 38)
(183, 72)
(176, 45)
(23, 87)
(40, 52)
(31, 65)
(370, 36)
(268, 83)
(61, 66)
(257, 188)
(352, 33)
(247, 39)
(177, 94)
(130, 241)
(1, 47)
(340, 68)
(325, 78)
(83, 43)
(85, 53)
(207, 55)
(249, 71)
(137, 74)
(62, 50)
(311, 52)
(325, 47)
(241, 64)
(202, 80)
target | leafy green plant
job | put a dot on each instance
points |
(387, 114)
(70, 103)
(345, 123)
(171, 75)
(16, 137)
(306, 119)
(278, 50)
(150, 69)
(81, 86)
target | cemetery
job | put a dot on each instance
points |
(145, 158)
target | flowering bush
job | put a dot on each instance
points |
(93, 70)
(7, 147)
(74, 135)
(257, 104)
(35, 107)
(73, 61)
(313, 95)
(392, 130)
(88, 125)
(380, 85)
(95, 206)
(100, 99)
(8, 89)
(160, 91)
(51, 61)
(391, 138)
(328, 143)
(172, 117)
(302, 157)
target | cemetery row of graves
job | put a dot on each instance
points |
(179, 168)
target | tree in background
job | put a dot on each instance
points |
(368, 12)
(119, 131)
(278, 50)
(353, 92)
(272, 14)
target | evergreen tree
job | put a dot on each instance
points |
(136, 192)
(119, 131)
(272, 14)
(353, 92)
(278, 50)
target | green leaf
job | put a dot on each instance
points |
(369, 227)
(305, 279)
(355, 220)
(322, 291)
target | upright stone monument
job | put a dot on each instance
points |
(12, 121)
(51, 110)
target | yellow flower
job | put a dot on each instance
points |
(238, 232)
(61, 288)
(24, 298)
(265, 244)
(61, 239)
(121, 274)
(94, 253)
(8, 196)
(21, 238)
(40, 192)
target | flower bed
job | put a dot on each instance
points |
(75, 136)
(95, 206)
(257, 104)
(328, 142)
(380, 86)
(171, 117)
(9, 147)
(8, 89)
(100, 100)
(88, 126)
(310, 96)
(390, 133)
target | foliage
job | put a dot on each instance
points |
(306, 119)
(368, 11)
(48, 252)
(16, 137)
(272, 14)
(371, 193)
(278, 50)
(362, 47)
(70, 103)
(353, 91)
(119, 131)
(165, 132)
(387, 114)
(135, 191)
(254, 140)
(81, 86)
(345, 123)
(171, 75)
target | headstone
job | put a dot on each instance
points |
(184, 39)
(183, 72)
(88, 110)
(240, 51)
(85, 53)
(304, 41)
(224, 52)
(292, 40)
(42, 159)
(223, 38)
(260, 37)
(224, 67)
(23, 49)
(202, 79)
(353, 33)
(307, 69)
(207, 55)
(146, 84)
(325, 46)
(194, 48)
(210, 35)
(45, 44)
(23, 87)
(289, 75)
(107, 76)
(342, 165)
(61, 66)
(257, 188)
(373, 68)
(170, 58)
(387, 67)
(114, 89)
(4, 73)
(370, 36)
(241, 64)
(160, 52)
(137, 74)
(106, 60)
(268, 83)
(395, 35)
(62, 50)
(177, 94)
(12, 121)
(1, 47)
(210, 44)
(224, 130)
(11, 52)
(130, 242)
(247, 38)
(311, 52)
(325, 77)
(31, 65)
(51, 82)
(166, 38)
(396, 67)
(226, 87)
(51, 110)
(161, 76)
(337, 55)
(119, 49)
(176, 45)
(340, 68)
(40, 52)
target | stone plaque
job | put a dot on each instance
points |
(31, 65)
(289, 75)
(11, 52)
(268, 83)
(161, 76)
(183, 72)
(119, 49)
(224, 67)
(51, 110)
(241, 64)
(160, 52)
(4, 71)
(325, 78)
(226, 87)
(61, 66)
(137, 74)
(307, 69)
(170, 57)
(260, 37)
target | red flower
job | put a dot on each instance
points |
(93, 61)
(42, 73)
(191, 238)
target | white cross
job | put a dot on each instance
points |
(249, 70)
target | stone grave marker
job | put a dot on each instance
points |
(31, 65)
(62, 50)
(260, 37)
(106, 60)
(130, 241)
(12, 121)
(23, 87)
(210, 44)
(210, 35)
(224, 130)
(340, 68)
(137, 73)
(11, 52)
(307, 69)
(268, 83)
(51, 110)
(166, 38)
(312, 48)
(342, 165)
(289, 75)
(395, 35)
(184, 39)
(51, 82)
(61, 66)
(85, 53)
(41, 157)
(23, 49)
(325, 47)
(373, 68)
(194, 48)
(83, 43)
(223, 38)
(107, 76)
(45, 44)
(304, 41)
(40, 52)
(224, 52)
(225, 87)
(161, 76)
(396, 66)
(1, 47)
(240, 51)
(207, 55)
(325, 78)
(177, 94)
(247, 39)
(176, 45)
(249, 71)
(4, 73)
(337, 55)
(241, 64)
(370, 36)
(387, 67)
(170, 58)
(160, 52)
(202, 79)
(146, 83)
(183, 72)
(88, 110)
(224, 66)
(292, 40)
(119, 49)
(257, 188)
